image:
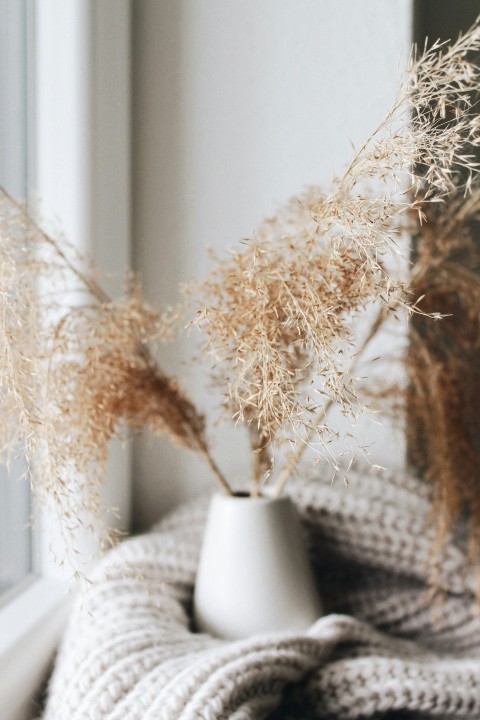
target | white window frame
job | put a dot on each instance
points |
(80, 169)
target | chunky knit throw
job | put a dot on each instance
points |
(386, 645)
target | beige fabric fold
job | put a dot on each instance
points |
(385, 645)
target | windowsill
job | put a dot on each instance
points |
(30, 626)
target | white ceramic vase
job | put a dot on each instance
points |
(254, 575)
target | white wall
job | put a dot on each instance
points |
(237, 106)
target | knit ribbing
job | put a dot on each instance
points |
(129, 653)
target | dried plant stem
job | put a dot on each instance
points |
(93, 287)
(262, 458)
(97, 291)
(297, 455)
(196, 437)
(258, 471)
(207, 456)
(347, 174)
(103, 298)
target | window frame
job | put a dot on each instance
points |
(79, 165)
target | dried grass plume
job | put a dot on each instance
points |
(278, 314)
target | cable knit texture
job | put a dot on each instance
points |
(385, 646)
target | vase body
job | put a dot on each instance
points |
(254, 575)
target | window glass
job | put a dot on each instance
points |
(15, 535)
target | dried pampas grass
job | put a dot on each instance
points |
(278, 315)
(443, 364)
(76, 371)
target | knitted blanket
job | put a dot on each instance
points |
(385, 646)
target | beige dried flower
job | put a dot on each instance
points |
(443, 364)
(76, 371)
(277, 315)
